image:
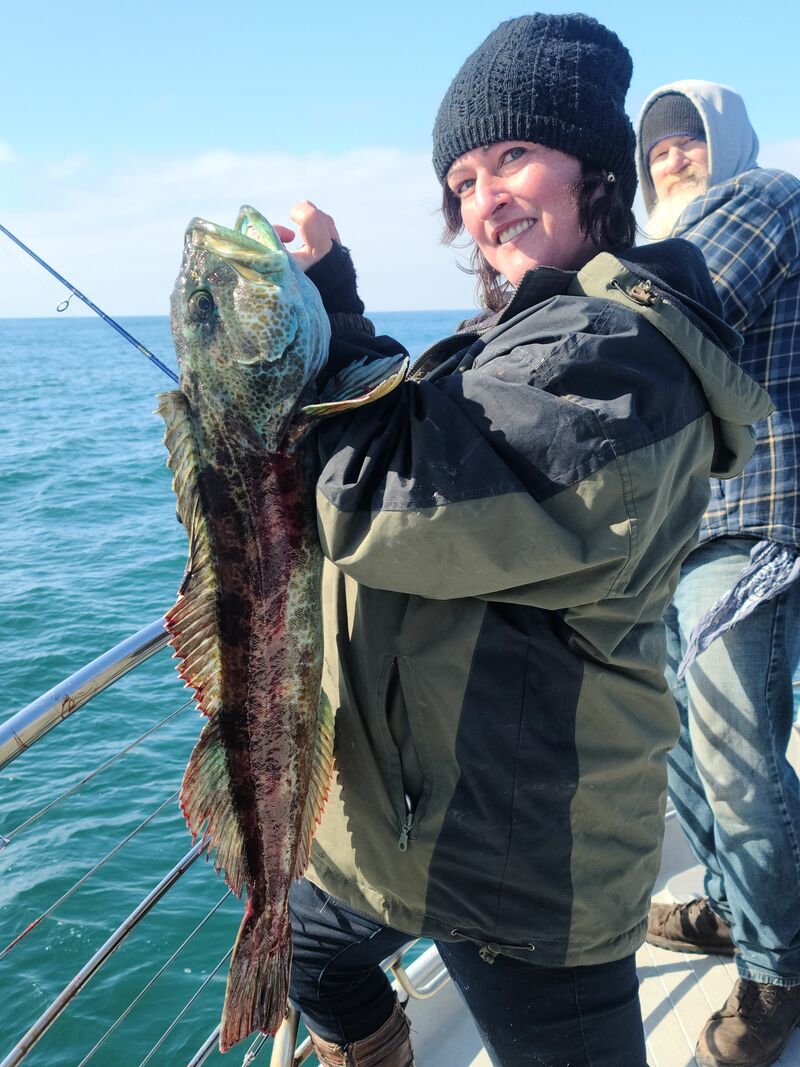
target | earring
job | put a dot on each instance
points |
(610, 177)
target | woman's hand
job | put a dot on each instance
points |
(316, 230)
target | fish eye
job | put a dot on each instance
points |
(201, 305)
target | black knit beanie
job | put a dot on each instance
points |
(559, 80)
(670, 115)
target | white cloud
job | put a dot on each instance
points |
(119, 238)
(6, 155)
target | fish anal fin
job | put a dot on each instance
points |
(319, 784)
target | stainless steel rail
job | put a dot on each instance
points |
(48, 1017)
(430, 989)
(28, 726)
(284, 1051)
(24, 729)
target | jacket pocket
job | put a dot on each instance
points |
(406, 781)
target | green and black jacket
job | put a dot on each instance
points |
(503, 534)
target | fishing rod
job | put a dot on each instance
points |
(98, 311)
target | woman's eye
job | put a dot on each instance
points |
(463, 187)
(513, 154)
(201, 305)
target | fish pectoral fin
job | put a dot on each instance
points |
(360, 383)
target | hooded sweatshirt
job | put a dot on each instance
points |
(747, 224)
(503, 533)
(732, 141)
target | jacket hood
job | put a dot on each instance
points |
(731, 139)
(668, 284)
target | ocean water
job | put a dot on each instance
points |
(90, 552)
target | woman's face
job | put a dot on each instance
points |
(519, 206)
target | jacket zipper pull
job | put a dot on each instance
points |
(405, 830)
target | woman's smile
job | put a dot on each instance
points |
(508, 233)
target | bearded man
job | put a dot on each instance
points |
(734, 625)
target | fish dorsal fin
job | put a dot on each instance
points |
(361, 382)
(319, 783)
(194, 634)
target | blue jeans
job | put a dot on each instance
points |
(736, 795)
(526, 1015)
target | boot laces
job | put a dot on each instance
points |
(692, 909)
(756, 1000)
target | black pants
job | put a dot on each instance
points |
(526, 1014)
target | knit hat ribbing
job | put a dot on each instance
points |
(558, 80)
(670, 115)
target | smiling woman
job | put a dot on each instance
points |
(518, 205)
(604, 217)
(502, 534)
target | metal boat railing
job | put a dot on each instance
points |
(30, 725)
(20, 733)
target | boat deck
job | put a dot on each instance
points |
(679, 990)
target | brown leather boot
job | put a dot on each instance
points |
(390, 1046)
(751, 1028)
(691, 927)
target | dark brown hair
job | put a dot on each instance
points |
(603, 216)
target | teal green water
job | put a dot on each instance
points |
(90, 552)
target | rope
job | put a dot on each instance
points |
(183, 1011)
(153, 980)
(6, 838)
(84, 878)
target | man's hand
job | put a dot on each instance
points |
(316, 230)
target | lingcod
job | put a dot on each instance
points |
(251, 337)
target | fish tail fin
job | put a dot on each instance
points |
(258, 979)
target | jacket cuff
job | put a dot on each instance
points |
(349, 322)
(335, 278)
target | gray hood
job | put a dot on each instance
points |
(732, 141)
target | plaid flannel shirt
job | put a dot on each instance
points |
(748, 229)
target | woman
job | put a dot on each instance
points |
(502, 534)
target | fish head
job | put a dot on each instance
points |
(249, 328)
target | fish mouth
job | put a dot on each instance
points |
(252, 246)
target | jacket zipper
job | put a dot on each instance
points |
(406, 828)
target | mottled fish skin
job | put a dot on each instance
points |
(250, 334)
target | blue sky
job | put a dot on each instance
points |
(120, 122)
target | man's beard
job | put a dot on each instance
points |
(669, 209)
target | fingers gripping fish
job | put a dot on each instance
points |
(251, 336)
